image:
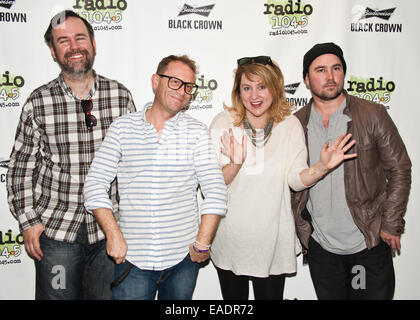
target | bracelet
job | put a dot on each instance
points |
(200, 250)
(207, 246)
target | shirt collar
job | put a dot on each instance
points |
(68, 90)
(338, 112)
(173, 121)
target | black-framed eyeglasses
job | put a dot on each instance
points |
(260, 59)
(90, 119)
(174, 83)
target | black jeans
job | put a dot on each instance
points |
(365, 275)
(237, 287)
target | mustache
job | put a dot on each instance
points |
(76, 51)
(331, 82)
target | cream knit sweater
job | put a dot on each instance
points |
(257, 237)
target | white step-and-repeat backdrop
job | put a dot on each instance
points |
(380, 40)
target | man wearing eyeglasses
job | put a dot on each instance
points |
(159, 156)
(62, 124)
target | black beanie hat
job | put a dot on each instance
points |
(320, 49)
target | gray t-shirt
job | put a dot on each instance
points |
(334, 228)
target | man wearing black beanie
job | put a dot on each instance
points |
(350, 222)
(320, 49)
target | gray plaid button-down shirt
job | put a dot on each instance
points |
(52, 153)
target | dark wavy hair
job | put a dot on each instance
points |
(58, 19)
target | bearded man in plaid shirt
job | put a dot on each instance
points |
(61, 126)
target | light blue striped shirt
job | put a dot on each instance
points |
(157, 183)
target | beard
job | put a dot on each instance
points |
(79, 68)
(328, 95)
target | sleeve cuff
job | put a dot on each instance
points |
(28, 219)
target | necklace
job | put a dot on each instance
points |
(252, 133)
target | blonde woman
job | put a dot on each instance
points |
(262, 152)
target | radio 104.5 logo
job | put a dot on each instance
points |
(373, 89)
(11, 247)
(102, 14)
(204, 95)
(9, 89)
(287, 17)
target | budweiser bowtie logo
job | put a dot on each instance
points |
(6, 3)
(382, 14)
(202, 11)
(291, 88)
(4, 164)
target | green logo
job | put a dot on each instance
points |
(287, 14)
(10, 85)
(101, 11)
(10, 244)
(376, 90)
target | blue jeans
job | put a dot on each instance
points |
(175, 283)
(73, 271)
